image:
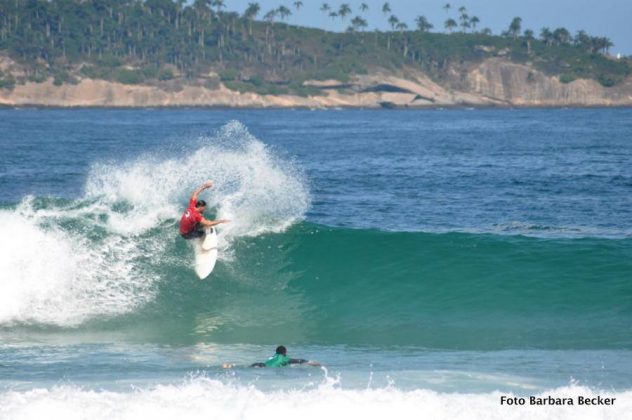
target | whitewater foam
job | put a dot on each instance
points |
(52, 276)
(255, 189)
(204, 398)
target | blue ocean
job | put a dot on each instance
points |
(432, 261)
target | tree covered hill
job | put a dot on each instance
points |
(154, 41)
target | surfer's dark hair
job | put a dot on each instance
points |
(200, 203)
(281, 350)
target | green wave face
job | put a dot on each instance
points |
(320, 285)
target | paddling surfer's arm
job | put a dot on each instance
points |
(302, 361)
(206, 185)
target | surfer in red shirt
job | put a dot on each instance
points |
(192, 223)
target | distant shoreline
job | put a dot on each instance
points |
(303, 108)
(494, 83)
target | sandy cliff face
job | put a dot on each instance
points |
(518, 85)
(491, 83)
(102, 93)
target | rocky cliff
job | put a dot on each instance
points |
(494, 82)
(521, 85)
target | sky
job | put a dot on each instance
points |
(609, 18)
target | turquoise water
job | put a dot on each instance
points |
(427, 259)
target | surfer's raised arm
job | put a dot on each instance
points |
(206, 185)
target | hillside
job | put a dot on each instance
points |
(164, 53)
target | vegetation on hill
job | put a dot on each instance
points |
(152, 41)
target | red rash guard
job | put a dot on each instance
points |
(190, 218)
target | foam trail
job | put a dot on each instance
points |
(205, 398)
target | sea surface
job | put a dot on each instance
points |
(432, 261)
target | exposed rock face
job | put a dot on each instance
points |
(494, 82)
(519, 85)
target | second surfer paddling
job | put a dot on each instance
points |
(192, 223)
(280, 359)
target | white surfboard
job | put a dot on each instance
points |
(205, 253)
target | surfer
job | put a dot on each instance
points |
(192, 223)
(279, 359)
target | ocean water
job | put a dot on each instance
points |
(433, 261)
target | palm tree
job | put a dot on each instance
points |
(251, 12)
(179, 7)
(298, 4)
(270, 16)
(202, 9)
(474, 20)
(358, 23)
(528, 37)
(402, 27)
(449, 25)
(606, 44)
(325, 8)
(561, 36)
(593, 44)
(423, 25)
(582, 40)
(546, 36)
(514, 27)
(393, 21)
(364, 7)
(386, 8)
(464, 18)
(284, 12)
(202, 6)
(219, 4)
(447, 8)
(465, 21)
(343, 11)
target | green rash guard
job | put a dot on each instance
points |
(278, 360)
